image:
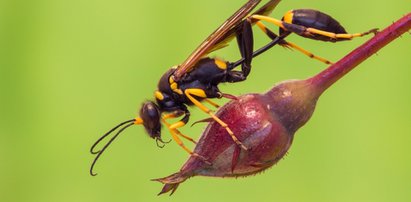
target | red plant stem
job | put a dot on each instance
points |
(326, 78)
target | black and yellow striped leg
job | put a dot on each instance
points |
(191, 92)
(301, 30)
(339, 36)
(207, 119)
(174, 134)
(172, 115)
(287, 44)
(179, 124)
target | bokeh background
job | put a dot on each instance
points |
(71, 70)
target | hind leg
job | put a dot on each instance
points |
(308, 31)
(287, 44)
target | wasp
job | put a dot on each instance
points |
(196, 80)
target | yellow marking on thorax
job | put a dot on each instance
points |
(159, 95)
(174, 86)
(288, 17)
(197, 92)
(171, 80)
(179, 91)
(220, 63)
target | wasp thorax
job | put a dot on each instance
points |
(150, 113)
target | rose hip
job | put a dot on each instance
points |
(265, 123)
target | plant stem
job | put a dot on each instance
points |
(326, 78)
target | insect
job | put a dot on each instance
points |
(310, 24)
(196, 80)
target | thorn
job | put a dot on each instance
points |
(374, 31)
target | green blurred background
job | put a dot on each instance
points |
(71, 70)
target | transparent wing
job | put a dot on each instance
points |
(217, 36)
(224, 34)
(230, 35)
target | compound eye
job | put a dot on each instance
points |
(150, 113)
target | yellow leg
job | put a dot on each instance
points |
(172, 115)
(175, 133)
(339, 36)
(308, 53)
(200, 93)
(294, 46)
(176, 125)
(279, 23)
(186, 137)
(268, 19)
(212, 103)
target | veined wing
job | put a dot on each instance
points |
(264, 10)
(217, 36)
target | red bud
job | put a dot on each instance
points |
(264, 123)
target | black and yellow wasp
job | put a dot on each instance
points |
(197, 78)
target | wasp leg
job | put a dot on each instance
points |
(179, 124)
(269, 19)
(235, 76)
(212, 103)
(307, 31)
(182, 122)
(191, 92)
(174, 114)
(186, 137)
(245, 42)
(338, 36)
(174, 134)
(308, 53)
(287, 44)
(228, 96)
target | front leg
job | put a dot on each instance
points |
(174, 127)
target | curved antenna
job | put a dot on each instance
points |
(108, 144)
(106, 134)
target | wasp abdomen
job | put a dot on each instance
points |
(310, 18)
